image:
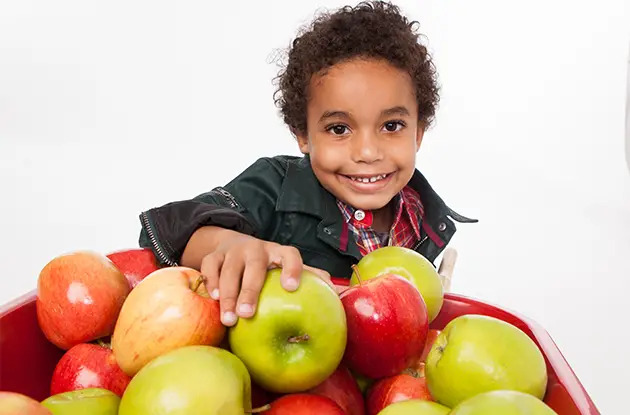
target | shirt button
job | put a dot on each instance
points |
(359, 214)
(327, 231)
(442, 227)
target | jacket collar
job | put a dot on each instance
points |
(302, 192)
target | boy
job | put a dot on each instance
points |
(358, 92)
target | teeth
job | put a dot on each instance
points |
(369, 179)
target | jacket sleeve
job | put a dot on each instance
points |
(246, 205)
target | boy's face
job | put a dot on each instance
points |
(363, 131)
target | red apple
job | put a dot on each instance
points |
(304, 404)
(170, 309)
(409, 264)
(135, 264)
(395, 389)
(12, 403)
(387, 325)
(342, 388)
(79, 297)
(87, 366)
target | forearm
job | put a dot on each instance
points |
(206, 240)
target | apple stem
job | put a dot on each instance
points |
(412, 372)
(299, 339)
(197, 283)
(103, 343)
(258, 410)
(355, 268)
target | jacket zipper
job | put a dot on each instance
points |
(154, 242)
(228, 196)
(415, 248)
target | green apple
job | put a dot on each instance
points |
(296, 339)
(93, 401)
(476, 354)
(408, 264)
(415, 407)
(503, 402)
(200, 380)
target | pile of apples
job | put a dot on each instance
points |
(144, 340)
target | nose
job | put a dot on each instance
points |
(366, 148)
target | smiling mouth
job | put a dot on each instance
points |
(368, 179)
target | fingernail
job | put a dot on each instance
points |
(215, 294)
(229, 318)
(291, 284)
(245, 309)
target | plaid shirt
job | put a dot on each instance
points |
(404, 232)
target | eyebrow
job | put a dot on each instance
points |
(334, 114)
(399, 110)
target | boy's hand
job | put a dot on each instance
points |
(235, 273)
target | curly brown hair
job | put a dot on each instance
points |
(374, 29)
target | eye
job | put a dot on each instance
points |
(338, 129)
(394, 126)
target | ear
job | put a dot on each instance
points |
(420, 134)
(302, 140)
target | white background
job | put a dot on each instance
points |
(107, 109)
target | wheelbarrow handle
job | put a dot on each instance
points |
(446, 267)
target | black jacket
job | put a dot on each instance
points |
(279, 199)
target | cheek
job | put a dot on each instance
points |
(326, 155)
(404, 152)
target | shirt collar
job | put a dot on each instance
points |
(346, 210)
(407, 203)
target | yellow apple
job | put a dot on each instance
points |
(93, 401)
(415, 407)
(170, 308)
(504, 402)
(199, 380)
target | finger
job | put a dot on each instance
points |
(447, 266)
(324, 275)
(229, 286)
(291, 262)
(210, 269)
(253, 279)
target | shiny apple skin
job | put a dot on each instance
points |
(79, 297)
(304, 404)
(88, 366)
(342, 388)
(394, 389)
(387, 323)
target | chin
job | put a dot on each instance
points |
(361, 203)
